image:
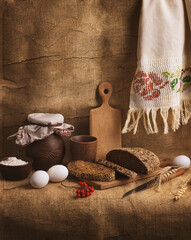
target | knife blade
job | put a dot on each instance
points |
(150, 182)
(141, 187)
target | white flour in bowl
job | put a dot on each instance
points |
(13, 161)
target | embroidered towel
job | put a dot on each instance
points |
(162, 82)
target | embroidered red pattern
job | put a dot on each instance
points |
(147, 85)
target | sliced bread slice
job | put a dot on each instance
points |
(91, 171)
(117, 168)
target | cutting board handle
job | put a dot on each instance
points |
(105, 91)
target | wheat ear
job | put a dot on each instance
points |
(183, 188)
(165, 175)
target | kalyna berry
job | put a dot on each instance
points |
(85, 190)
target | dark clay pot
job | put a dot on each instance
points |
(47, 152)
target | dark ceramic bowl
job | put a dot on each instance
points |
(16, 173)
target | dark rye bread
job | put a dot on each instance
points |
(139, 160)
(117, 168)
(91, 171)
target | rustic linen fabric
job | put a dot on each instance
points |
(41, 126)
(162, 82)
(29, 133)
(55, 213)
(46, 118)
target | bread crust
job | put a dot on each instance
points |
(91, 171)
(117, 168)
(139, 160)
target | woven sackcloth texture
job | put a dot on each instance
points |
(53, 212)
(162, 81)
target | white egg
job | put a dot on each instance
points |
(39, 179)
(182, 161)
(58, 173)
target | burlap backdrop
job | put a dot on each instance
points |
(55, 53)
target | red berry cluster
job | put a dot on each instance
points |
(85, 190)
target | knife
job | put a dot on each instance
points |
(150, 183)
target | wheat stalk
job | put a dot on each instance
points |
(165, 175)
(183, 188)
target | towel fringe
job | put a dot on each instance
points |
(180, 115)
(146, 120)
(164, 115)
(154, 116)
(185, 111)
(176, 118)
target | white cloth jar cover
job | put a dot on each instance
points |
(46, 118)
(41, 126)
(162, 82)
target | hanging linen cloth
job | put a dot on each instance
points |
(162, 81)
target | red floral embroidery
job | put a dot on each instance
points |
(156, 93)
(140, 74)
(156, 79)
(148, 86)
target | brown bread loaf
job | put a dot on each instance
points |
(91, 171)
(117, 168)
(139, 160)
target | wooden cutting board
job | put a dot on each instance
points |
(120, 181)
(105, 123)
(124, 180)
